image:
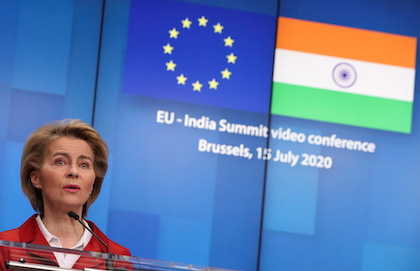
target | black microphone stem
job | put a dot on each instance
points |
(109, 263)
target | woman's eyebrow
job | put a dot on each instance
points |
(61, 154)
(85, 157)
(68, 155)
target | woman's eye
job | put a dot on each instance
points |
(84, 165)
(60, 162)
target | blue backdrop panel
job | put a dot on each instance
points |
(48, 62)
(339, 218)
(149, 233)
(205, 206)
(185, 204)
(53, 33)
(263, 6)
(291, 191)
(390, 257)
(14, 206)
(365, 215)
(42, 108)
(5, 97)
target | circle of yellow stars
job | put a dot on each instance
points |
(181, 78)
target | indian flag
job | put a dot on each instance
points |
(344, 75)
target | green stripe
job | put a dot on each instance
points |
(343, 108)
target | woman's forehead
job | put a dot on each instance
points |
(71, 146)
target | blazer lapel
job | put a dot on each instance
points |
(30, 233)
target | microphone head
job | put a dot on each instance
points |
(73, 215)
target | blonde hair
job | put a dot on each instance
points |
(37, 144)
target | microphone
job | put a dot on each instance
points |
(76, 217)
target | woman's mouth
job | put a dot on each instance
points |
(72, 188)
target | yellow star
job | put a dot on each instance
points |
(197, 86)
(226, 74)
(186, 23)
(229, 41)
(181, 79)
(218, 28)
(231, 58)
(213, 84)
(167, 49)
(170, 66)
(173, 33)
(202, 21)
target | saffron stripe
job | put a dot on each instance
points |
(346, 42)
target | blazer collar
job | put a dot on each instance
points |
(30, 233)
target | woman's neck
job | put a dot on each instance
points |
(65, 228)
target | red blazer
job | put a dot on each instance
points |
(29, 232)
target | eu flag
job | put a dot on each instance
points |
(200, 54)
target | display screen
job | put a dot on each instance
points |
(249, 135)
(341, 191)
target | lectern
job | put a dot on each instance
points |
(31, 257)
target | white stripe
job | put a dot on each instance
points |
(373, 79)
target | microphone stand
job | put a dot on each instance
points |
(109, 262)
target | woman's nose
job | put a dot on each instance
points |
(73, 172)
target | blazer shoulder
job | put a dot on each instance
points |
(10, 235)
(113, 247)
(118, 249)
(25, 233)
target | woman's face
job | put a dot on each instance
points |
(66, 176)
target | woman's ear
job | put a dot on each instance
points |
(35, 179)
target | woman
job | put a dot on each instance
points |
(62, 169)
